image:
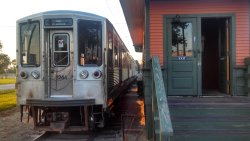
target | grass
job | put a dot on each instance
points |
(7, 99)
(7, 81)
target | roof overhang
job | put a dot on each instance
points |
(134, 14)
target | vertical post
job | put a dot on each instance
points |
(247, 76)
(148, 101)
(34, 115)
(147, 74)
(154, 103)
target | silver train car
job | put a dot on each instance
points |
(71, 67)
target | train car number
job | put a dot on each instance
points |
(61, 77)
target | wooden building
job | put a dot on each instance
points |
(201, 44)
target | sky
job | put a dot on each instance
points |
(12, 10)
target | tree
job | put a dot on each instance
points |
(1, 46)
(178, 37)
(12, 67)
(4, 60)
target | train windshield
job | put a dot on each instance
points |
(30, 44)
(89, 43)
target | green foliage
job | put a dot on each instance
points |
(13, 62)
(1, 46)
(4, 62)
(12, 67)
(7, 99)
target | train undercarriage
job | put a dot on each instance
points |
(71, 114)
(70, 117)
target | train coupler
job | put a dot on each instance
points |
(59, 120)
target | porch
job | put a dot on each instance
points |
(210, 118)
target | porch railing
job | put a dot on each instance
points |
(162, 125)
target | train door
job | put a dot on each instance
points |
(61, 66)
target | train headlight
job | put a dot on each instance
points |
(84, 74)
(97, 74)
(24, 74)
(35, 74)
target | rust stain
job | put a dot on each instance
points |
(141, 114)
(30, 95)
(110, 101)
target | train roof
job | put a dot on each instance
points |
(62, 12)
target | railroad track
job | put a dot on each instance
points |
(101, 135)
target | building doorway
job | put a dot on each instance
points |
(215, 36)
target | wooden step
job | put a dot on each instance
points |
(211, 137)
(210, 119)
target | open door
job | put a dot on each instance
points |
(224, 65)
(215, 56)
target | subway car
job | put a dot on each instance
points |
(72, 66)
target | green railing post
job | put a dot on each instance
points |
(148, 101)
(247, 75)
(162, 125)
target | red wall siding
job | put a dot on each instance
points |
(239, 7)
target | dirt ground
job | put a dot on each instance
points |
(12, 129)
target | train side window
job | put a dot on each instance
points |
(110, 50)
(116, 62)
(61, 49)
(120, 55)
(30, 44)
(89, 43)
(124, 59)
